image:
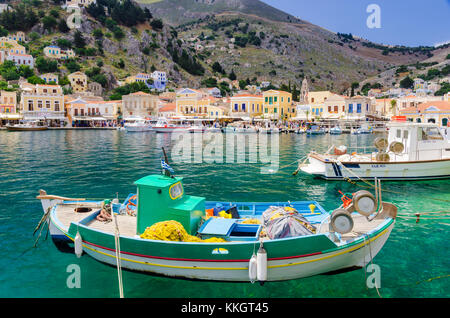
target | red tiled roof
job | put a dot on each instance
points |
(441, 105)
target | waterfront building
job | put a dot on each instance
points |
(334, 107)
(278, 105)
(78, 81)
(140, 104)
(246, 105)
(358, 108)
(192, 102)
(8, 105)
(81, 109)
(167, 110)
(42, 102)
(437, 112)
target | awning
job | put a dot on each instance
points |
(10, 116)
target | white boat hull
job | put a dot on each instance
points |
(414, 170)
(357, 255)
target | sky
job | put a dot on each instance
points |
(402, 22)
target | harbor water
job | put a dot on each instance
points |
(415, 261)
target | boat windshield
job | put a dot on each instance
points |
(430, 133)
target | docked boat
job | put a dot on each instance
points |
(34, 125)
(165, 126)
(363, 130)
(315, 130)
(412, 151)
(196, 129)
(336, 130)
(137, 124)
(163, 231)
(246, 130)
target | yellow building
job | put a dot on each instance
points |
(319, 97)
(278, 105)
(437, 112)
(78, 81)
(140, 104)
(191, 102)
(140, 77)
(43, 102)
(248, 105)
(11, 46)
(50, 78)
(8, 102)
(56, 52)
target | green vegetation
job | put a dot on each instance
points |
(407, 82)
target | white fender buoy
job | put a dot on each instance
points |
(78, 243)
(252, 269)
(261, 264)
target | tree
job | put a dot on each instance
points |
(407, 82)
(49, 22)
(232, 76)
(62, 26)
(45, 65)
(79, 40)
(218, 68)
(394, 106)
(156, 24)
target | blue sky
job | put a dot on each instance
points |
(403, 22)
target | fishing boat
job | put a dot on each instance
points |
(315, 130)
(412, 151)
(363, 130)
(163, 231)
(246, 130)
(336, 130)
(33, 125)
(165, 126)
(137, 124)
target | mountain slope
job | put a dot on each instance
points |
(176, 12)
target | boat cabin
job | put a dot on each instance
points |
(421, 141)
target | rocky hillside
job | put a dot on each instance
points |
(212, 43)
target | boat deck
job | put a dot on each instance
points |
(360, 227)
(127, 224)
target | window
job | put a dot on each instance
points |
(399, 133)
(75, 112)
(289, 99)
(47, 104)
(39, 104)
(243, 107)
(266, 110)
(267, 99)
(336, 110)
(358, 108)
(282, 99)
(30, 105)
(236, 107)
(343, 109)
(321, 110)
(275, 110)
(405, 134)
(312, 100)
(350, 108)
(275, 99)
(270, 100)
(329, 109)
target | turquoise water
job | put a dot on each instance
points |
(414, 262)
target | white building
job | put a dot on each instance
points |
(21, 59)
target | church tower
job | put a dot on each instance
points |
(304, 92)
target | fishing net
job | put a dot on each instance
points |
(175, 232)
(282, 222)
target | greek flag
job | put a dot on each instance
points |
(165, 166)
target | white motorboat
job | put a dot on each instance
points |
(412, 151)
(33, 125)
(137, 124)
(165, 126)
(196, 129)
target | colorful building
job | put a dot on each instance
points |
(430, 112)
(359, 108)
(50, 78)
(278, 105)
(246, 105)
(78, 82)
(191, 102)
(56, 52)
(42, 102)
(8, 102)
(21, 59)
(140, 104)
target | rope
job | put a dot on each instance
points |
(118, 262)
(372, 186)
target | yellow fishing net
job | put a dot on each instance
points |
(173, 231)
